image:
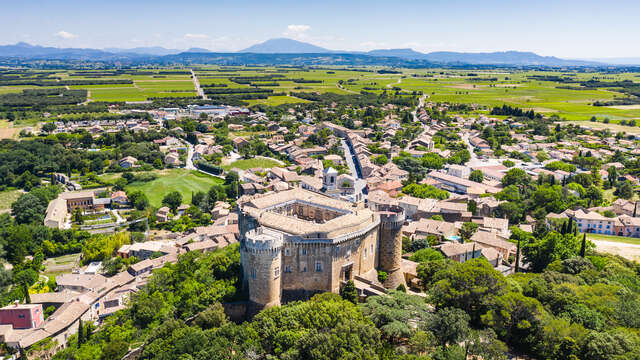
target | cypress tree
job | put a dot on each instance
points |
(563, 230)
(80, 333)
(570, 226)
(583, 247)
(27, 297)
(518, 257)
(635, 209)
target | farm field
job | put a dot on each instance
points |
(181, 180)
(546, 92)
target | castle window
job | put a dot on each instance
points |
(365, 253)
(253, 273)
(276, 272)
(287, 268)
(318, 266)
(372, 248)
(287, 252)
(304, 251)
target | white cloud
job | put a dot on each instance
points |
(297, 31)
(65, 35)
(196, 36)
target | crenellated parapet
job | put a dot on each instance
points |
(391, 216)
(262, 240)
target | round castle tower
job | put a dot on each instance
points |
(262, 250)
(390, 250)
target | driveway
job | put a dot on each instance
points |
(190, 165)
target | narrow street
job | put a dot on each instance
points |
(360, 183)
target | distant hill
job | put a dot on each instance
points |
(618, 61)
(401, 53)
(298, 59)
(284, 46)
(502, 58)
(151, 50)
(290, 46)
(197, 50)
(24, 50)
(492, 58)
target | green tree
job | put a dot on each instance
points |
(393, 314)
(29, 208)
(212, 317)
(27, 297)
(625, 190)
(513, 316)
(77, 216)
(197, 198)
(427, 254)
(553, 246)
(450, 325)
(477, 176)
(422, 342)
(48, 127)
(516, 176)
(612, 175)
(80, 333)
(380, 160)
(349, 292)
(317, 329)
(172, 200)
(471, 286)
(114, 350)
(467, 230)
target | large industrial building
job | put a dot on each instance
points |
(297, 243)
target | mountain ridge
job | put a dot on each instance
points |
(289, 46)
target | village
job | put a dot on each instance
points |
(463, 221)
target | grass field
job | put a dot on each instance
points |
(7, 198)
(181, 180)
(252, 163)
(612, 238)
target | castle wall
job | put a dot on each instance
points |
(300, 278)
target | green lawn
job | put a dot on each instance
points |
(181, 180)
(252, 163)
(7, 198)
(612, 238)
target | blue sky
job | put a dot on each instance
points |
(565, 28)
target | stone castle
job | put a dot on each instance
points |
(297, 243)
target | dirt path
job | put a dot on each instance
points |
(345, 89)
(389, 86)
(88, 98)
(627, 251)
